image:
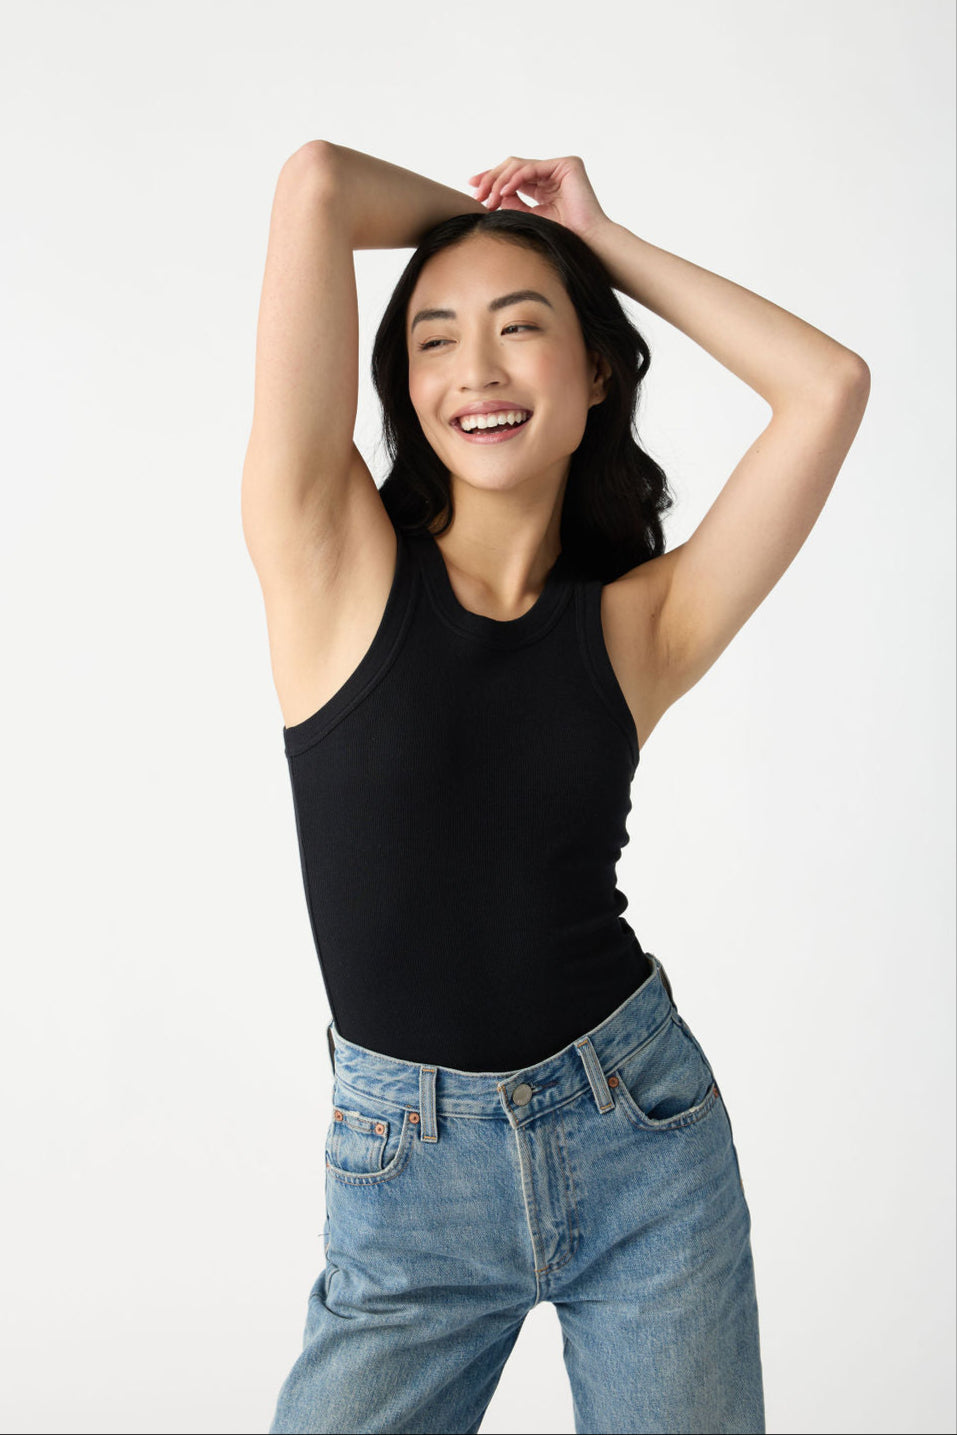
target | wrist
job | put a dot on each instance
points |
(602, 232)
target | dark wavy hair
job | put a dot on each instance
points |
(615, 492)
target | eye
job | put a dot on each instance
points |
(429, 342)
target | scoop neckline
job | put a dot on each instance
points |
(507, 632)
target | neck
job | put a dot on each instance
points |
(502, 546)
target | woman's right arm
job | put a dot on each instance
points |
(305, 486)
(315, 527)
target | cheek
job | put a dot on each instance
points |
(567, 390)
(558, 374)
(424, 400)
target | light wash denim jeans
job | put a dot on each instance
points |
(603, 1179)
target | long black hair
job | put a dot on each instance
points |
(615, 492)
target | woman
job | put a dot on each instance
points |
(469, 663)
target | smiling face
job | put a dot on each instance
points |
(467, 349)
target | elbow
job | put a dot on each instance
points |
(848, 382)
(858, 375)
(317, 159)
(859, 383)
(861, 370)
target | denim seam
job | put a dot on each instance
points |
(574, 1225)
(686, 1031)
(531, 1209)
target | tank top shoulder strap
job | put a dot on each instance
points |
(376, 661)
(592, 640)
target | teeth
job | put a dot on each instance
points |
(470, 422)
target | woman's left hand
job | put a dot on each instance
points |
(560, 188)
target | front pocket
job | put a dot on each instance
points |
(667, 1083)
(364, 1143)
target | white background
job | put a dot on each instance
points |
(165, 1079)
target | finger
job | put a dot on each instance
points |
(484, 179)
(527, 169)
(518, 178)
(512, 201)
(523, 178)
(508, 172)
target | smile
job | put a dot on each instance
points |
(501, 434)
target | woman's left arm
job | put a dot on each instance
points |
(706, 588)
(777, 354)
(698, 595)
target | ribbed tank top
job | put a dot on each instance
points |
(461, 806)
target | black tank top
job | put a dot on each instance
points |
(460, 807)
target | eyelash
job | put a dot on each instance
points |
(429, 342)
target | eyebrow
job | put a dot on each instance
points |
(518, 296)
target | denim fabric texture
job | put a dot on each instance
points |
(604, 1179)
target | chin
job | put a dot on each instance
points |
(489, 482)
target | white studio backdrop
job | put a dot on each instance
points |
(164, 1071)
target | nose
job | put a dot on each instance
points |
(479, 364)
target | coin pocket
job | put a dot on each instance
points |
(356, 1142)
(365, 1142)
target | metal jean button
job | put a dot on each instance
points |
(522, 1094)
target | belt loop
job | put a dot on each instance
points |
(428, 1126)
(596, 1076)
(332, 1048)
(664, 977)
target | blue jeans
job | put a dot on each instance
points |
(603, 1179)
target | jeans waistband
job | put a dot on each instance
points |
(518, 1095)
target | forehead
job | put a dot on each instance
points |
(469, 274)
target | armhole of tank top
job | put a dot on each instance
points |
(374, 664)
(599, 665)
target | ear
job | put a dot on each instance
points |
(601, 373)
